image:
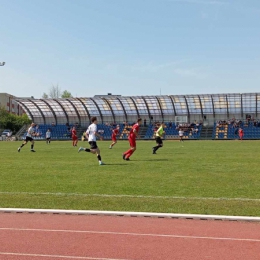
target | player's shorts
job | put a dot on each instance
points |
(158, 140)
(48, 138)
(93, 144)
(28, 138)
(113, 138)
(74, 138)
(132, 142)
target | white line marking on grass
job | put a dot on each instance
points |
(130, 214)
(125, 196)
(60, 256)
(131, 234)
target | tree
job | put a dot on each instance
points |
(12, 121)
(55, 91)
(44, 95)
(66, 94)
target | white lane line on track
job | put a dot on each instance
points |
(59, 256)
(131, 234)
(126, 196)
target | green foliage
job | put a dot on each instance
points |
(200, 177)
(12, 121)
(44, 95)
(55, 92)
(66, 94)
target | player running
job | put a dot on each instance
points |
(29, 137)
(115, 132)
(181, 133)
(91, 134)
(132, 140)
(241, 133)
(74, 136)
(158, 137)
(48, 136)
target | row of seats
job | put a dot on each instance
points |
(229, 132)
(63, 132)
(171, 132)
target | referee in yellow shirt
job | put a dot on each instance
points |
(158, 138)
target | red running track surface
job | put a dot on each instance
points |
(26, 236)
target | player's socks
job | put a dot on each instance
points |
(21, 146)
(129, 154)
(128, 151)
(31, 146)
(81, 149)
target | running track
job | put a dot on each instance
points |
(35, 236)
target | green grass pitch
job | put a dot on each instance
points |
(197, 177)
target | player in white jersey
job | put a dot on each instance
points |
(29, 137)
(181, 133)
(92, 135)
(48, 136)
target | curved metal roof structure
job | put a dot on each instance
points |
(125, 108)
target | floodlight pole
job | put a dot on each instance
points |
(2, 63)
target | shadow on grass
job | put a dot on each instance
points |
(116, 164)
(151, 160)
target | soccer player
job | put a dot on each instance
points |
(92, 135)
(48, 136)
(74, 136)
(115, 132)
(158, 137)
(181, 135)
(131, 138)
(29, 137)
(241, 133)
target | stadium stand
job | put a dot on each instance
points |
(172, 131)
(61, 132)
(207, 109)
(228, 131)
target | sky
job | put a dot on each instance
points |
(129, 47)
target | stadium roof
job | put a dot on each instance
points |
(111, 108)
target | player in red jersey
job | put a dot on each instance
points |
(115, 132)
(74, 136)
(131, 138)
(241, 133)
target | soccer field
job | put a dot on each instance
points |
(200, 177)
